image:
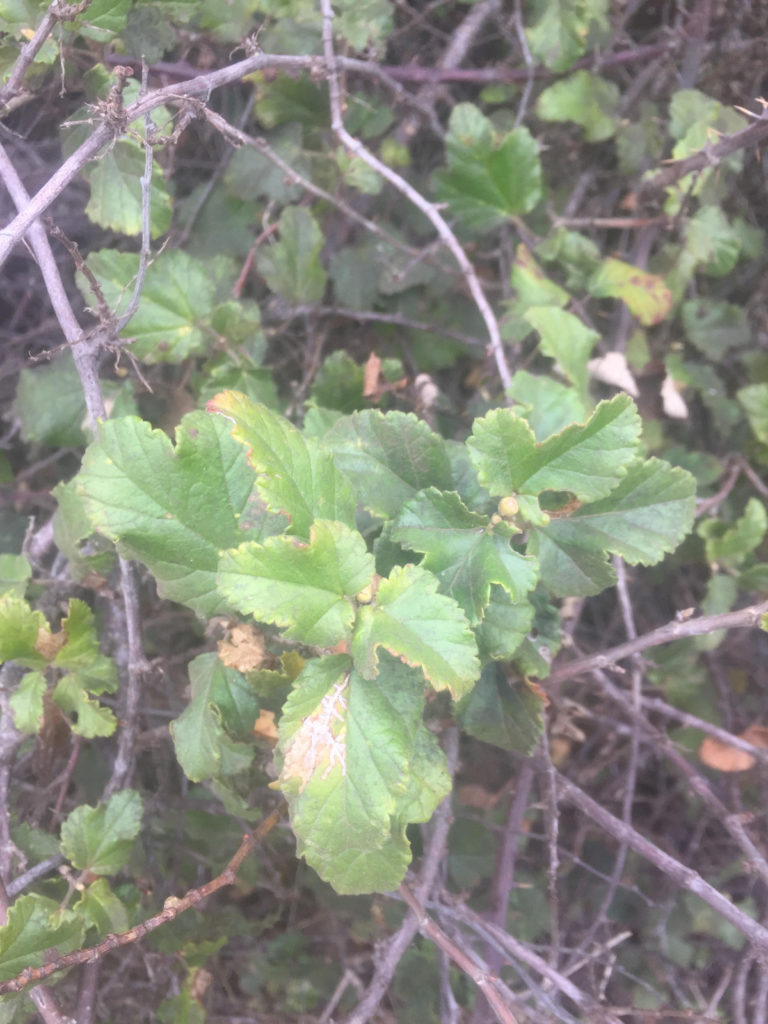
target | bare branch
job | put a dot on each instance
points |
(58, 11)
(430, 210)
(171, 910)
(683, 876)
(746, 618)
(748, 138)
(146, 211)
(495, 992)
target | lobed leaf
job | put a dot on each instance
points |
(463, 550)
(176, 301)
(296, 476)
(646, 295)
(100, 839)
(587, 460)
(307, 588)
(389, 458)
(423, 628)
(36, 924)
(222, 705)
(644, 518)
(347, 755)
(174, 509)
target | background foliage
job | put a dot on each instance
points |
(369, 383)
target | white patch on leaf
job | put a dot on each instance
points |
(320, 741)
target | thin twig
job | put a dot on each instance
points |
(530, 65)
(240, 138)
(429, 210)
(57, 11)
(683, 876)
(491, 986)
(201, 85)
(630, 780)
(746, 618)
(396, 319)
(748, 138)
(145, 181)
(732, 823)
(172, 908)
(490, 931)
(44, 867)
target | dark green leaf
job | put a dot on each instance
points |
(388, 458)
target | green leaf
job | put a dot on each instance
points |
(348, 751)
(510, 716)
(754, 401)
(587, 460)
(15, 575)
(463, 550)
(103, 19)
(488, 180)
(644, 518)
(81, 652)
(20, 629)
(504, 627)
(339, 383)
(355, 271)
(100, 839)
(100, 906)
(222, 705)
(693, 115)
(291, 100)
(722, 591)
(291, 267)
(363, 22)
(728, 546)
(585, 99)
(176, 302)
(49, 404)
(148, 30)
(646, 295)
(715, 327)
(566, 339)
(574, 253)
(307, 588)
(548, 405)
(252, 176)
(565, 29)
(27, 703)
(36, 925)
(423, 628)
(71, 527)
(92, 719)
(116, 200)
(568, 569)
(712, 241)
(532, 285)
(296, 476)
(389, 458)
(172, 508)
